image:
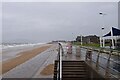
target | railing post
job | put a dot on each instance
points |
(78, 52)
(59, 68)
(88, 55)
(61, 52)
(107, 66)
(97, 61)
(58, 64)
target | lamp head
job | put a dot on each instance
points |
(100, 13)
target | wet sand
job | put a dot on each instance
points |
(48, 70)
(24, 56)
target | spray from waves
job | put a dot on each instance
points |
(13, 45)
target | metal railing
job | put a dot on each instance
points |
(109, 72)
(59, 64)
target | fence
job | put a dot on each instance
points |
(104, 65)
(59, 63)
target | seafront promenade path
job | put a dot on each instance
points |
(106, 64)
(42, 65)
(33, 67)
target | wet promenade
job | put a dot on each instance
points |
(112, 68)
(33, 67)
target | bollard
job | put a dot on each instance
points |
(78, 51)
(89, 54)
(107, 72)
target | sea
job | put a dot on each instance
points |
(10, 50)
(13, 45)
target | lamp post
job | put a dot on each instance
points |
(72, 37)
(81, 40)
(103, 37)
(102, 40)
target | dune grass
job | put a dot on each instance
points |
(88, 45)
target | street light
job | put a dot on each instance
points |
(102, 37)
(72, 37)
(81, 40)
(102, 44)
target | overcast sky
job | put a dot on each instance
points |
(43, 22)
(60, 0)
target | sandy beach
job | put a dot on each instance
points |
(48, 70)
(23, 56)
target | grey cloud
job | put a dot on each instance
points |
(39, 22)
